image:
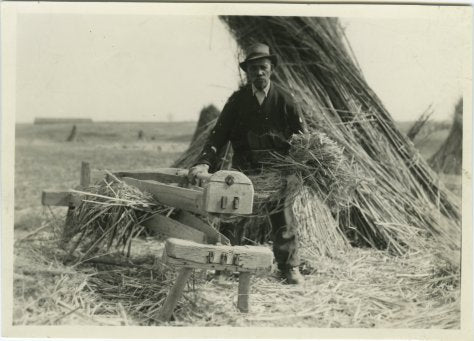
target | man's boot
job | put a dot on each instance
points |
(291, 274)
(285, 249)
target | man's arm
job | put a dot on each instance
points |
(295, 118)
(219, 135)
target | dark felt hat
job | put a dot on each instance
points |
(258, 51)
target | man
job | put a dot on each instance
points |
(258, 119)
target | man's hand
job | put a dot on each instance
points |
(201, 169)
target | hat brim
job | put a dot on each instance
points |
(272, 58)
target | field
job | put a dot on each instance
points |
(361, 288)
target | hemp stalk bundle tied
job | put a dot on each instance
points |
(109, 217)
(404, 203)
(314, 176)
(448, 158)
(401, 205)
(321, 164)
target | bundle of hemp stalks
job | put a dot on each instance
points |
(303, 184)
(109, 217)
(404, 206)
(405, 201)
(448, 158)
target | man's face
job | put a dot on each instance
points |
(259, 72)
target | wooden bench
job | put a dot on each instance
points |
(188, 255)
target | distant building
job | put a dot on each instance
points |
(57, 120)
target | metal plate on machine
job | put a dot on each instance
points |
(228, 192)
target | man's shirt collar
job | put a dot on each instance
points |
(265, 90)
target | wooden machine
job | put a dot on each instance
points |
(192, 243)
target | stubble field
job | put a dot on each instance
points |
(362, 288)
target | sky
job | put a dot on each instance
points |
(163, 68)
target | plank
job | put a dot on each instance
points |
(244, 292)
(174, 294)
(211, 266)
(184, 198)
(165, 175)
(60, 198)
(242, 257)
(173, 229)
(213, 236)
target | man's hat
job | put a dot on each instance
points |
(258, 51)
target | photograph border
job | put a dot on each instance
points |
(9, 12)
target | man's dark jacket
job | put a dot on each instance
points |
(253, 129)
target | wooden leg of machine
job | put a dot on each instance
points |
(244, 291)
(85, 174)
(68, 230)
(174, 294)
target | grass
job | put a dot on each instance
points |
(361, 288)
